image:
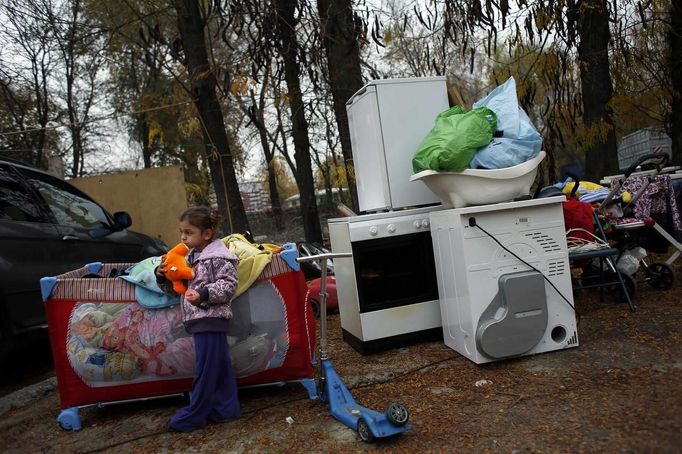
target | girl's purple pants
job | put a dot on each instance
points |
(214, 391)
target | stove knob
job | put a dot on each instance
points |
(373, 231)
(425, 223)
(390, 228)
(417, 224)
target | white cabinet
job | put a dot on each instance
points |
(388, 119)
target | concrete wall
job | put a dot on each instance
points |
(155, 198)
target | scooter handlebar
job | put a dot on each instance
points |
(331, 255)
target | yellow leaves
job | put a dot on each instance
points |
(589, 135)
(542, 19)
(281, 99)
(155, 135)
(339, 176)
(201, 75)
(549, 61)
(241, 84)
(286, 185)
(388, 37)
(351, 171)
(337, 172)
(193, 190)
(149, 100)
(193, 126)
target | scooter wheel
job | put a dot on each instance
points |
(364, 431)
(322, 389)
(397, 414)
(662, 276)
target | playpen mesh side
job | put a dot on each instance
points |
(74, 289)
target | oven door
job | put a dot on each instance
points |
(395, 271)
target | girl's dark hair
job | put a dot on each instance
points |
(201, 217)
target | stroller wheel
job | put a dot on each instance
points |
(661, 276)
(589, 276)
(630, 286)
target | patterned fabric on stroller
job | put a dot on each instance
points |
(650, 221)
(589, 254)
(656, 202)
(592, 255)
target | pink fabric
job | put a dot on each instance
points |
(178, 357)
(148, 334)
(658, 198)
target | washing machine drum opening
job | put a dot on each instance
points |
(516, 319)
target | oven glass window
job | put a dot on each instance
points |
(396, 271)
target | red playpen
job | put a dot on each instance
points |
(109, 347)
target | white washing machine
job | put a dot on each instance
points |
(494, 306)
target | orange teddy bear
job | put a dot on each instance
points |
(177, 269)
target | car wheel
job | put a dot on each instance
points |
(4, 347)
(315, 305)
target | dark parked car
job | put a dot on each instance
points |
(313, 270)
(48, 227)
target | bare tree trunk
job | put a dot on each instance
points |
(286, 23)
(79, 46)
(258, 118)
(145, 140)
(675, 68)
(340, 36)
(30, 35)
(142, 128)
(40, 74)
(274, 196)
(76, 151)
(597, 89)
(70, 70)
(191, 27)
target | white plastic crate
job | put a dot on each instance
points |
(640, 143)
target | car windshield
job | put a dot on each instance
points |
(70, 208)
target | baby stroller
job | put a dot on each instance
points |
(589, 250)
(634, 230)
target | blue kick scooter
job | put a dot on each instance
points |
(368, 423)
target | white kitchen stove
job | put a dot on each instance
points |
(387, 290)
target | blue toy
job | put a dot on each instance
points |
(368, 423)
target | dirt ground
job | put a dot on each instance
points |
(619, 391)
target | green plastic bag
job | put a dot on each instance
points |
(453, 141)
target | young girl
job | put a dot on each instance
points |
(206, 314)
